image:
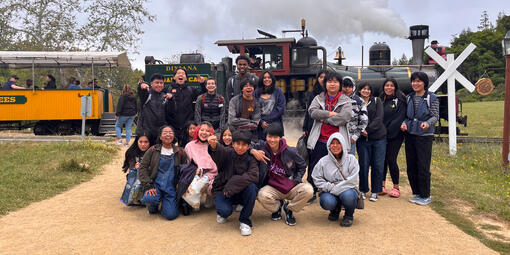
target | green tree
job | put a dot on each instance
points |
(402, 61)
(484, 22)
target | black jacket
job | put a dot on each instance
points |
(294, 165)
(152, 113)
(394, 114)
(181, 108)
(375, 128)
(126, 106)
(235, 172)
(51, 85)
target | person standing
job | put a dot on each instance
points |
(419, 126)
(125, 115)
(272, 102)
(331, 110)
(180, 107)
(371, 145)
(395, 106)
(359, 119)
(210, 107)
(244, 110)
(152, 110)
(234, 82)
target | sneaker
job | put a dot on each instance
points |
(414, 199)
(245, 229)
(373, 197)
(119, 142)
(220, 219)
(239, 208)
(152, 209)
(289, 218)
(347, 221)
(312, 199)
(278, 214)
(334, 215)
(364, 195)
(424, 201)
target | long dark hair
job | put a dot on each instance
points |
(317, 88)
(134, 151)
(397, 94)
(262, 88)
(221, 137)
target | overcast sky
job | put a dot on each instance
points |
(187, 26)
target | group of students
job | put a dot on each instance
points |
(252, 161)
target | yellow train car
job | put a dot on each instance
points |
(57, 111)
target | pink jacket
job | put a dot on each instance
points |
(197, 152)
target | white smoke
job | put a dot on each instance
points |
(329, 21)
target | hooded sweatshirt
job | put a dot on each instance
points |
(277, 175)
(326, 174)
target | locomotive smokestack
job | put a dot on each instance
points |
(418, 34)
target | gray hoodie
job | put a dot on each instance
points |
(326, 175)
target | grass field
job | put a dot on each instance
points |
(485, 119)
(32, 172)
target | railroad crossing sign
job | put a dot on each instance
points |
(451, 74)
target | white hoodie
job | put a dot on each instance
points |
(326, 175)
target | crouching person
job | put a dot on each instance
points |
(238, 174)
(159, 175)
(336, 174)
(281, 173)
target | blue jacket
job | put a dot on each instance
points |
(413, 121)
(279, 106)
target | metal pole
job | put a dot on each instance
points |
(93, 85)
(33, 76)
(361, 56)
(506, 118)
(84, 116)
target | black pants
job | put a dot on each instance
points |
(418, 156)
(320, 150)
(390, 161)
(181, 136)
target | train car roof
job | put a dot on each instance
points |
(232, 44)
(52, 59)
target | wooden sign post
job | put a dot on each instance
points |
(451, 74)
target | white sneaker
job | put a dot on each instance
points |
(239, 208)
(220, 219)
(119, 142)
(364, 195)
(245, 229)
(373, 197)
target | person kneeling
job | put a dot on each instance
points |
(238, 174)
(281, 177)
(336, 174)
(159, 174)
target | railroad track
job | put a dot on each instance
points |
(51, 138)
(469, 139)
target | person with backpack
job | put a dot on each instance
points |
(152, 111)
(421, 117)
(234, 82)
(359, 119)
(272, 102)
(236, 182)
(280, 176)
(244, 110)
(210, 107)
(371, 145)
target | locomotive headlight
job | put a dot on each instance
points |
(506, 44)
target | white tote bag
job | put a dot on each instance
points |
(195, 190)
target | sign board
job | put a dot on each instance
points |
(450, 75)
(168, 70)
(13, 99)
(86, 106)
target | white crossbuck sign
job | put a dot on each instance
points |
(451, 74)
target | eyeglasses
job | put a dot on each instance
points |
(167, 133)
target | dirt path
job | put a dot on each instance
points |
(90, 219)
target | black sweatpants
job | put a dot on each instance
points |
(390, 161)
(418, 156)
(320, 150)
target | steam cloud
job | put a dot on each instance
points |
(329, 21)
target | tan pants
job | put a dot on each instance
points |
(270, 197)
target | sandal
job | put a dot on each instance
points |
(384, 191)
(395, 193)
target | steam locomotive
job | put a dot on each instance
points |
(296, 63)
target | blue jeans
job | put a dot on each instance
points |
(246, 198)
(371, 153)
(128, 121)
(353, 149)
(348, 199)
(169, 208)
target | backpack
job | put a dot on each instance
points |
(202, 99)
